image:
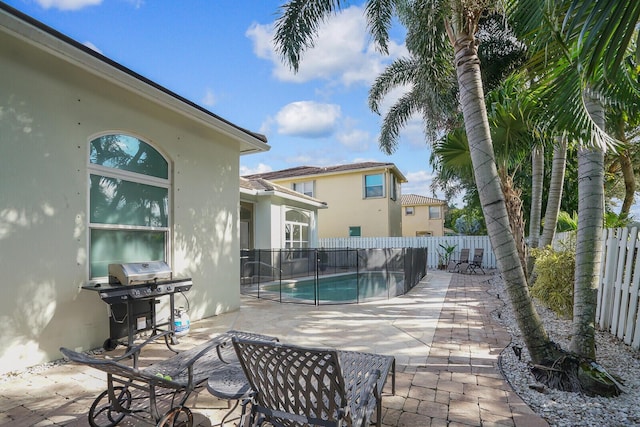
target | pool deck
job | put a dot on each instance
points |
(442, 334)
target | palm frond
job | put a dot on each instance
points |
(379, 17)
(606, 28)
(297, 25)
(402, 71)
(399, 114)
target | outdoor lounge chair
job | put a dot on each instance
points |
(461, 263)
(476, 262)
(298, 386)
(134, 391)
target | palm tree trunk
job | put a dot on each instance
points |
(588, 240)
(629, 183)
(493, 205)
(555, 191)
(537, 175)
(513, 204)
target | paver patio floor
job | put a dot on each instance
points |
(443, 337)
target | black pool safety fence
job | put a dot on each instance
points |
(330, 276)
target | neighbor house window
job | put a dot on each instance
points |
(434, 212)
(305, 188)
(409, 210)
(129, 203)
(374, 185)
(394, 187)
(296, 229)
(355, 231)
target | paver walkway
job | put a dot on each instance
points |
(442, 334)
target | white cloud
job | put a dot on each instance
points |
(355, 139)
(92, 47)
(67, 4)
(419, 183)
(342, 50)
(209, 99)
(261, 168)
(308, 119)
(304, 159)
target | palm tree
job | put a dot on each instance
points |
(554, 197)
(580, 46)
(440, 30)
(537, 178)
(509, 108)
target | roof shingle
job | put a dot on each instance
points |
(415, 199)
(300, 171)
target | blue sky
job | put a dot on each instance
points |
(219, 54)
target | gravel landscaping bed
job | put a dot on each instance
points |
(563, 408)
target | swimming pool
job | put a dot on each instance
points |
(341, 288)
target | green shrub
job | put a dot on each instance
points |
(554, 271)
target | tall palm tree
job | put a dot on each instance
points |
(554, 197)
(513, 135)
(580, 45)
(438, 30)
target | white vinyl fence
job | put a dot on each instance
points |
(431, 243)
(619, 288)
(617, 310)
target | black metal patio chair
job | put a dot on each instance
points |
(156, 394)
(294, 386)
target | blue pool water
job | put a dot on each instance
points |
(341, 288)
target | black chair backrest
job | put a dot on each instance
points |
(295, 385)
(477, 256)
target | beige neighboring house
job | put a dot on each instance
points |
(422, 216)
(363, 199)
(100, 165)
(273, 216)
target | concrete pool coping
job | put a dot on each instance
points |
(402, 326)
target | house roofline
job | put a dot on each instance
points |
(273, 189)
(381, 166)
(286, 196)
(38, 34)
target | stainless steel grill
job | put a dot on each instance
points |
(139, 272)
(132, 292)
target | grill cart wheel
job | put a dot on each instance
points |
(110, 344)
(104, 413)
(179, 416)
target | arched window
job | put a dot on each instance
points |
(128, 202)
(296, 229)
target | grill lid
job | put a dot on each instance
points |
(139, 272)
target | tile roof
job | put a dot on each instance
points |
(316, 170)
(415, 199)
(261, 184)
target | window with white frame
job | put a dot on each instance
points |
(409, 210)
(374, 185)
(434, 212)
(306, 188)
(296, 229)
(129, 202)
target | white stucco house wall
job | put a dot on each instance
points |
(273, 216)
(62, 106)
